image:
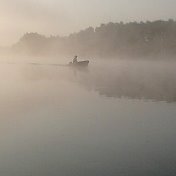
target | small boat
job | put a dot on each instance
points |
(79, 64)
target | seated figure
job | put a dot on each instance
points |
(75, 60)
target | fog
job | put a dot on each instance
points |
(113, 114)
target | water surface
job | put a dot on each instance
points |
(114, 118)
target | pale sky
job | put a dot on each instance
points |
(62, 17)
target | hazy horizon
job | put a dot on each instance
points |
(67, 16)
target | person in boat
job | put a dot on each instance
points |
(75, 60)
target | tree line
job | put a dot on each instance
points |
(133, 39)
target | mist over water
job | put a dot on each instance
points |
(113, 118)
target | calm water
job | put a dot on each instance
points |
(116, 118)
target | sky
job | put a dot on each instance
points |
(62, 17)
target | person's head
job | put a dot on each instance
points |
(76, 57)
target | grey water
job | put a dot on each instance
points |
(113, 118)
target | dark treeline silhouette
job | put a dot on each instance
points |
(144, 39)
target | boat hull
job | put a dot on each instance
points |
(80, 64)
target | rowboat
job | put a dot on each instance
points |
(79, 64)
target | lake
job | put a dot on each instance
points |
(113, 118)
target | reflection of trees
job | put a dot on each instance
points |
(158, 85)
(112, 39)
